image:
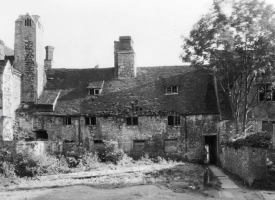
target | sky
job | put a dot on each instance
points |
(83, 31)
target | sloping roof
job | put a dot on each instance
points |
(97, 84)
(48, 97)
(143, 95)
(8, 51)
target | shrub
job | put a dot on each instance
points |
(256, 140)
(110, 152)
(89, 160)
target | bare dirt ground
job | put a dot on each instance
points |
(179, 182)
(86, 192)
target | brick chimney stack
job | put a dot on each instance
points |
(48, 62)
(124, 55)
(2, 50)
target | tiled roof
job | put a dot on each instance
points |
(48, 97)
(143, 95)
(97, 84)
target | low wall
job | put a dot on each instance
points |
(247, 163)
(36, 147)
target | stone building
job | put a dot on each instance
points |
(172, 107)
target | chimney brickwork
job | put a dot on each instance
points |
(48, 62)
(124, 56)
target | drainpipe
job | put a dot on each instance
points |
(79, 130)
(185, 127)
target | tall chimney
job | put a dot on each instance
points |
(124, 58)
(2, 50)
(48, 62)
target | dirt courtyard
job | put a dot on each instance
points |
(86, 192)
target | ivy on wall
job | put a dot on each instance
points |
(255, 140)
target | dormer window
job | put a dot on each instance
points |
(95, 88)
(28, 22)
(172, 90)
(95, 91)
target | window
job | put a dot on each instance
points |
(266, 93)
(90, 120)
(98, 143)
(41, 135)
(67, 121)
(28, 22)
(170, 145)
(268, 126)
(94, 91)
(171, 89)
(132, 121)
(174, 120)
(139, 145)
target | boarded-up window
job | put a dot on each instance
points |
(174, 120)
(170, 145)
(267, 126)
(98, 143)
(132, 121)
(139, 145)
(90, 120)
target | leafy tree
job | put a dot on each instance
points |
(236, 41)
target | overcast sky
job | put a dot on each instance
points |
(83, 31)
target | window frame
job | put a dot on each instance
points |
(172, 89)
(67, 121)
(90, 122)
(133, 121)
(98, 143)
(175, 120)
(267, 88)
(135, 142)
(268, 122)
(94, 91)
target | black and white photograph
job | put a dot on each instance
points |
(137, 99)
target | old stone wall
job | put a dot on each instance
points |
(10, 100)
(126, 65)
(248, 163)
(39, 58)
(34, 147)
(29, 51)
(192, 129)
(55, 128)
(199, 126)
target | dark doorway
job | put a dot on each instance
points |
(41, 135)
(211, 141)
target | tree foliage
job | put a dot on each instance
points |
(236, 41)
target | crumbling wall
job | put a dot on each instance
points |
(116, 128)
(150, 129)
